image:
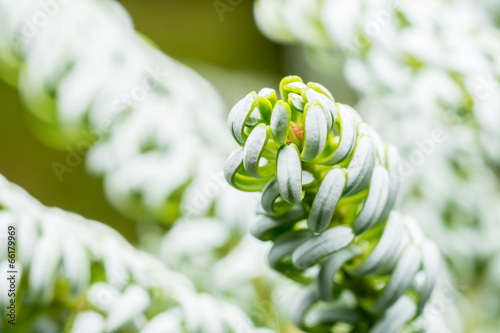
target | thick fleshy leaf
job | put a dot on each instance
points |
(329, 109)
(322, 245)
(325, 317)
(265, 109)
(232, 164)
(378, 143)
(385, 254)
(307, 178)
(431, 262)
(321, 89)
(239, 115)
(361, 166)
(295, 87)
(252, 151)
(284, 90)
(254, 118)
(301, 305)
(264, 226)
(396, 317)
(280, 122)
(325, 201)
(270, 194)
(285, 244)
(240, 181)
(347, 126)
(401, 279)
(393, 162)
(331, 266)
(269, 94)
(315, 132)
(375, 201)
(266, 100)
(289, 171)
(296, 101)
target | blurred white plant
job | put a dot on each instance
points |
(427, 74)
(153, 128)
(153, 125)
(82, 276)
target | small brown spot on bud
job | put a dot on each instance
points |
(298, 131)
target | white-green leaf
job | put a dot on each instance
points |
(384, 256)
(315, 132)
(289, 171)
(297, 101)
(431, 262)
(331, 266)
(347, 126)
(239, 115)
(361, 166)
(269, 94)
(402, 276)
(285, 244)
(322, 245)
(264, 225)
(280, 122)
(396, 317)
(240, 181)
(330, 314)
(375, 201)
(252, 151)
(393, 162)
(254, 118)
(325, 201)
(328, 105)
(321, 89)
(232, 164)
(307, 178)
(270, 194)
(302, 304)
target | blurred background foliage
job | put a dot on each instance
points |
(220, 46)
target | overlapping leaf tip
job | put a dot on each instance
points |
(329, 185)
(301, 139)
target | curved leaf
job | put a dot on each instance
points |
(239, 114)
(280, 122)
(361, 166)
(325, 201)
(401, 279)
(315, 132)
(320, 246)
(375, 201)
(289, 173)
(252, 151)
(331, 266)
(348, 134)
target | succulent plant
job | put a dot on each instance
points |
(427, 80)
(329, 185)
